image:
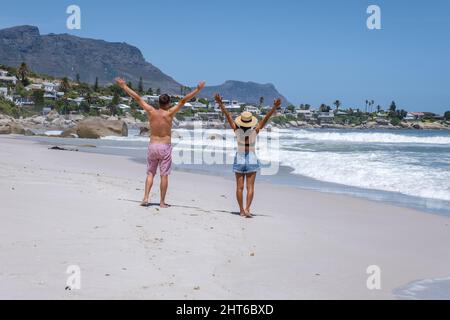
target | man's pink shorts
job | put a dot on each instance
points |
(159, 155)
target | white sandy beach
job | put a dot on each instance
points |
(61, 208)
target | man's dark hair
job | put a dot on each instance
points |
(164, 100)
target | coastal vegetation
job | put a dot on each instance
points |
(33, 94)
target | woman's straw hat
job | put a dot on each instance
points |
(246, 120)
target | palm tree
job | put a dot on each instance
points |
(367, 102)
(96, 84)
(261, 101)
(338, 104)
(23, 72)
(141, 85)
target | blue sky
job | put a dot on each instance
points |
(312, 51)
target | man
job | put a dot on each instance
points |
(160, 147)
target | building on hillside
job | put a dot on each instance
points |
(106, 98)
(3, 92)
(409, 117)
(33, 87)
(254, 110)
(78, 100)
(50, 96)
(421, 115)
(231, 105)
(6, 78)
(151, 99)
(23, 101)
(198, 105)
(305, 114)
(124, 107)
(325, 117)
(50, 87)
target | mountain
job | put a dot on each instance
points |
(61, 55)
(245, 91)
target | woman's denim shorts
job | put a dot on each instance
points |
(246, 163)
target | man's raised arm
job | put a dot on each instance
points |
(144, 105)
(276, 105)
(187, 98)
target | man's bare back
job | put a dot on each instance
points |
(160, 126)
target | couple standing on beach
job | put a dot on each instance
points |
(246, 128)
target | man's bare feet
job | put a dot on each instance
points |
(144, 203)
(164, 205)
(242, 213)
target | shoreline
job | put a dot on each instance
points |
(82, 208)
(284, 178)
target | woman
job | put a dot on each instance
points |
(246, 163)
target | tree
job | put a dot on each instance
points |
(23, 72)
(324, 108)
(150, 91)
(291, 108)
(78, 78)
(38, 98)
(338, 104)
(261, 101)
(65, 85)
(393, 107)
(96, 84)
(114, 103)
(447, 115)
(158, 92)
(378, 108)
(141, 85)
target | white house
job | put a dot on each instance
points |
(151, 98)
(326, 117)
(106, 98)
(410, 117)
(12, 79)
(198, 105)
(253, 109)
(34, 86)
(50, 87)
(3, 92)
(124, 107)
(307, 114)
(232, 106)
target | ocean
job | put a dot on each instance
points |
(405, 167)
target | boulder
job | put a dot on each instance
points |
(38, 120)
(5, 129)
(96, 127)
(70, 133)
(17, 128)
(52, 115)
(12, 128)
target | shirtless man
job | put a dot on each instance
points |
(160, 147)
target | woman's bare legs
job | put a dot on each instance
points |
(240, 181)
(251, 177)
